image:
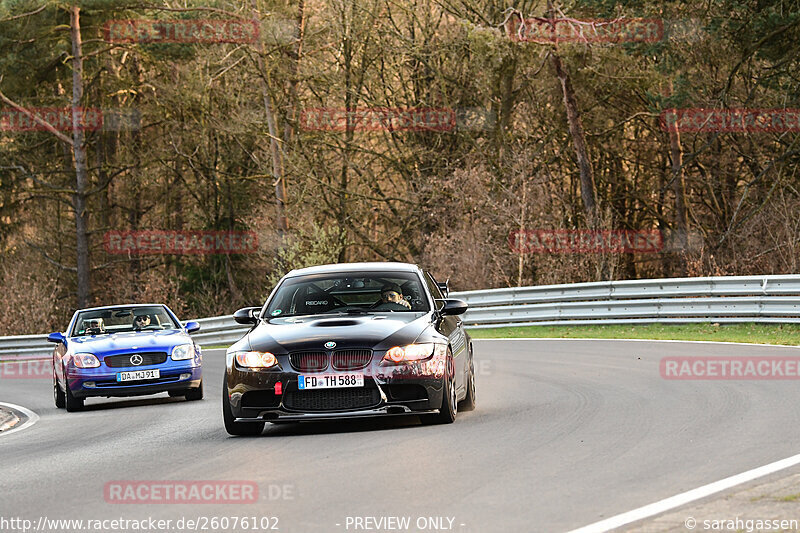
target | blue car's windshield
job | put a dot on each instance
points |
(122, 319)
(351, 292)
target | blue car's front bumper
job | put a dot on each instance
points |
(102, 381)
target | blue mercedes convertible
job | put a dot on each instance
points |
(125, 350)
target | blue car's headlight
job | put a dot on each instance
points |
(85, 360)
(183, 352)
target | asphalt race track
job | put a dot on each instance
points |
(566, 433)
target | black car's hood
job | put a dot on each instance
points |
(377, 331)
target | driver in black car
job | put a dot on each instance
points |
(393, 294)
(141, 322)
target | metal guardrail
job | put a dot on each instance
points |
(672, 300)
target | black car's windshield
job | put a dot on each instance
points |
(122, 319)
(349, 293)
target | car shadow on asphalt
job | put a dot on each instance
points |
(293, 429)
(121, 403)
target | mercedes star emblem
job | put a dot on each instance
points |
(136, 359)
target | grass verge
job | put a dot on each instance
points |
(786, 334)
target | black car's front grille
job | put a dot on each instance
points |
(332, 399)
(351, 359)
(124, 360)
(309, 361)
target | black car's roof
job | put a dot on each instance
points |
(355, 267)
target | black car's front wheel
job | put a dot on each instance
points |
(449, 409)
(231, 425)
(58, 394)
(468, 403)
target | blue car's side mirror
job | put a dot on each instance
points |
(191, 327)
(56, 337)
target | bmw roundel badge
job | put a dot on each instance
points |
(330, 345)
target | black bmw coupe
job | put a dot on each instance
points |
(350, 340)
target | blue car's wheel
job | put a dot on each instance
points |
(195, 394)
(72, 403)
(58, 394)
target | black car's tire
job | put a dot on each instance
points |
(449, 409)
(468, 403)
(195, 394)
(231, 426)
(72, 403)
(58, 394)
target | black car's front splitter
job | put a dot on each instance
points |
(387, 410)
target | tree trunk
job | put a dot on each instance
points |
(81, 173)
(282, 223)
(578, 141)
(341, 213)
(522, 222)
(297, 51)
(680, 238)
(576, 132)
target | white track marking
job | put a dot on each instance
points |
(687, 497)
(32, 418)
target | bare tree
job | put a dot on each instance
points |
(79, 152)
(575, 130)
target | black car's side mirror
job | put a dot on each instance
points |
(453, 307)
(56, 337)
(246, 315)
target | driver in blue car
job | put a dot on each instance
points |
(141, 322)
(393, 294)
(94, 326)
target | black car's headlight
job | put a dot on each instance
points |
(413, 352)
(183, 352)
(252, 359)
